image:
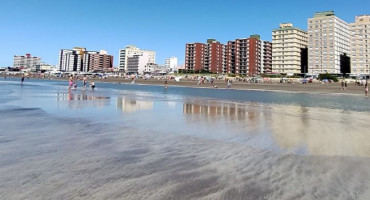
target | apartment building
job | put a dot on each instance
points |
(27, 61)
(248, 56)
(79, 59)
(289, 46)
(208, 56)
(195, 56)
(171, 63)
(266, 57)
(97, 61)
(360, 45)
(130, 51)
(328, 42)
(136, 63)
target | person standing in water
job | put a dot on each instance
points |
(84, 82)
(22, 80)
(70, 82)
(92, 85)
(165, 84)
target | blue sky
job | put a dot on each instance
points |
(43, 27)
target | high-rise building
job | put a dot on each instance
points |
(214, 56)
(288, 46)
(27, 62)
(328, 41)
(194, 56)
(208, 57)
(248, 56)
(266, 58)
(80, 60)
(97, 61)
(136, 63)
(171, 63)
(130, 51)
(360, 45)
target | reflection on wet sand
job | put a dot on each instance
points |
(79, 100)
(132, 105)
(292, 129)
(321, 131)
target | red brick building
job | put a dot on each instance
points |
(247, 57)
(208, 57)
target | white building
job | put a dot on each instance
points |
(329, 39)
(171, 63)
(130, 51)
(136, 63)
(70, 60)
(288, 44)
(27, 62)
(360, 45)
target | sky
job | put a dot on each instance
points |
(43, 27)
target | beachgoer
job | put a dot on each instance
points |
(165, 84)
(345, 85)
(74, 86)
(92, 85)
(342, 84)
(70, 82)
(84, 82)
(22, 80)
(366, 90)
(229, 83)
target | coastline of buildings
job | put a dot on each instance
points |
(329, 46)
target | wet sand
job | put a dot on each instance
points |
(85, 160)
(220, 150)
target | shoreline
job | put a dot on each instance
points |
(309, 88)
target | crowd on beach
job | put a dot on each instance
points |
(212, 81)
(73, 83)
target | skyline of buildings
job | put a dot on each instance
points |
(328, 44)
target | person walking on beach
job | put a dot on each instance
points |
(342, 84)
(165, 84)
(366, 89)
(229, 83)
(70, 82)
(92, 85)
(22, 80)
(84, 82)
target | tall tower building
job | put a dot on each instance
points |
(214, 56)
(71, 60)
(360, 45)
(266, 57)
(288, 46)
(248, 56)
(195, 56)
(130, 51)
(80, 60)
(209, 57)
(329, 40)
